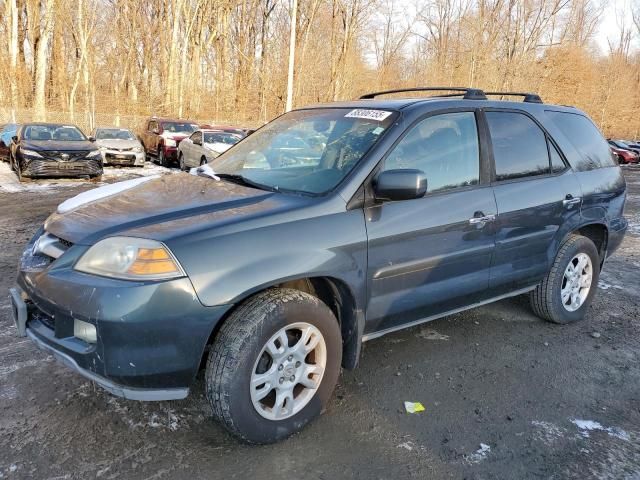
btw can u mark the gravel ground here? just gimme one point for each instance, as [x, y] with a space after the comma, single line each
[506, 394]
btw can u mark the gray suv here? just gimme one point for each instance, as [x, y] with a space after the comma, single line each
[273, 267]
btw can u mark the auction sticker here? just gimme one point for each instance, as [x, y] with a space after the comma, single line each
[378, 115]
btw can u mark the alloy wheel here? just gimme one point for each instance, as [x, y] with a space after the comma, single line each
[288, 371]
[576, 282]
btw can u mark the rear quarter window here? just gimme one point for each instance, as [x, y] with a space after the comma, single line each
[585, 137]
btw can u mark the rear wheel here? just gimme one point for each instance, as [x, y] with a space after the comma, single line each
[568, 289]
[181, 162]
[274, 365]
[203, 160]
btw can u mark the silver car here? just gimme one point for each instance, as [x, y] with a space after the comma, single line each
[204, 145]
[119, 146]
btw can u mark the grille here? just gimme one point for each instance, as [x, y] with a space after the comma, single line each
[111, 158]
[57, 154]
[48, 168]
[122, 149]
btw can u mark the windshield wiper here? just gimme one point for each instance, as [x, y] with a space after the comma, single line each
[241, 180]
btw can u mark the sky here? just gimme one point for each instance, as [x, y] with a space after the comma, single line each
[614, 11]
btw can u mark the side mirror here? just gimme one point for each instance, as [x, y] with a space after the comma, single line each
[92, 139]
[14, 139]
[404, 184]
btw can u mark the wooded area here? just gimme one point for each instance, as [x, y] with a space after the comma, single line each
[227, 59]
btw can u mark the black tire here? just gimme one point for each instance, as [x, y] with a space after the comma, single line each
[546, 301]
[181, 162]
[162, 160]
[236, 350]
[203, 161]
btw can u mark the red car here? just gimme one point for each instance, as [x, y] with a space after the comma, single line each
[625, 156]
[161, 137]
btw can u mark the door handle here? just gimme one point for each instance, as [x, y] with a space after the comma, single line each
[570, 200]
[481, 220]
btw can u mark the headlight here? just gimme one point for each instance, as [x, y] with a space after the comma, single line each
[30, 153]
[93, 153]
[130, 258]
[103, 149]
[169, 142]
[137, 149]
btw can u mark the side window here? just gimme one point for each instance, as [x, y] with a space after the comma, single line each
[153, 125]
[557, 164]
[445, 147]
[197, 137]
[519, 146]
[585, 138]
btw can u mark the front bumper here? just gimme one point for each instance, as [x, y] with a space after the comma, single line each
[170, 153]
[123, 158]
[151, 336]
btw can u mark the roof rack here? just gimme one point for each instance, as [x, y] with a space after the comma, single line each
[528, 97]
[466, 93]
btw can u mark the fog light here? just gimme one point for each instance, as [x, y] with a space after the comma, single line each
[84, 331]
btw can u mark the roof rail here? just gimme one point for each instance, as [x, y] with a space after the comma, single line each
[466, 93]
[528, 97]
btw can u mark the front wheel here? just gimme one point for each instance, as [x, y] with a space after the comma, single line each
[568, 289]
[162, 159]
[274, 365]
[181, 162]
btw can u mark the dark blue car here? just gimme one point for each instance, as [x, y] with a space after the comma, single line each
[272, 270]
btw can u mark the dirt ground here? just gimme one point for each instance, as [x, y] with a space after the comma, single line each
[507, 395]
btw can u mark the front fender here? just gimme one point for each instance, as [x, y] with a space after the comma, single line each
[226, 269]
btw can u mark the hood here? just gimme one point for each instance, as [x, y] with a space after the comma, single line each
[175, 136]
[117, 143]
[67, 146]
[218, 147]
[166, 207]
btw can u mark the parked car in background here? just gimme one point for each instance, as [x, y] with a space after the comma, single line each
[119, 146]
[54, 150]
[204, 145]
[272, 278]
[242, 131]
[7, 131]
[623, 145]
[625, 156]
[161, 137]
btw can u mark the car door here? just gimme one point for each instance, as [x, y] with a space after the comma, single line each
[432, 255]
[185, 149]
[536, 194]
[195, 148]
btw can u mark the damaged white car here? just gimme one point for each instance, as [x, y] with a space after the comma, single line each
[204, 145]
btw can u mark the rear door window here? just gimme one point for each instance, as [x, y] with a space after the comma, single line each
[519, 146]
[585, 138]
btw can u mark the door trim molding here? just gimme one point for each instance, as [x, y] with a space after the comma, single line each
[370, 336]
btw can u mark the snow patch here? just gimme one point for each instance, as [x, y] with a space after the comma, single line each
[101, 193]
[406, 446]
[602, 285]
[587, 426]
[480, 454]
[547, 432]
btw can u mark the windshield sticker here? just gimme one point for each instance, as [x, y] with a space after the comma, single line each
[67, 126]
[378, 131]
[378, 115]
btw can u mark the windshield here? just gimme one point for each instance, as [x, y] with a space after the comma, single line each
[221, 137]
[59, 133]
[179, 127]
[114, 134]
[308, 151]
